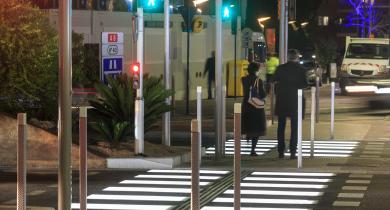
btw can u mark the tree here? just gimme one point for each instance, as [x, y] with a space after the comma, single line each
[366, 17]
[28, 61]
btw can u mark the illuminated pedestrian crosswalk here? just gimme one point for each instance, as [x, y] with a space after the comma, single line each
[276, 190]
[263, 146]
[330, 148]
[155, 189]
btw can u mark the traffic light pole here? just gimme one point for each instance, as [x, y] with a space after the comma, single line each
[139, 102]
[283, 31]
[167, 75]
[64, 106]
[218, 80]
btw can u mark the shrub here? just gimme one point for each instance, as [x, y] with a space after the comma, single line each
[114, 108]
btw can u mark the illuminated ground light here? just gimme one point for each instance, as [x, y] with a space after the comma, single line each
[262, 147]
[329, 148]
[264, 190]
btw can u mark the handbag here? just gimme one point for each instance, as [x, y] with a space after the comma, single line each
[254, 96]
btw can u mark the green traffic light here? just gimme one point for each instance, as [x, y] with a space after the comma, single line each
[151, 3]
[226, 12]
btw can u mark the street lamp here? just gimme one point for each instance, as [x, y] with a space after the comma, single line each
[196, 2]
[261, 20]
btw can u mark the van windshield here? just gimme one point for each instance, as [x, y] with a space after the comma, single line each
[367, 51]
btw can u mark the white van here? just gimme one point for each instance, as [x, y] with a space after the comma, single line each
[365, 66]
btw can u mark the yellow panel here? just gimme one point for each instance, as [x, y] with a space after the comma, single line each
[242, 70]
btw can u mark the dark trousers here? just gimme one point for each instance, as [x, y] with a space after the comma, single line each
[210, 82]
[281, 130]
[268, 82]
[254, 142]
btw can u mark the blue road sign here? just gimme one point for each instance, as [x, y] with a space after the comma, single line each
[112, 64]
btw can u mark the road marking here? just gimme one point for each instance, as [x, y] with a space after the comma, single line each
[372, 152]
[268, 201]
[369, 156]
[36, 192]
[374, 148]
[367, 176]
[358, 181]
[346, 203]
[362, 188]
[350, 195]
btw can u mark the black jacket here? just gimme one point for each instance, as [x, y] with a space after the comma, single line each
[289, 78]
[210, 68]
[253, 120]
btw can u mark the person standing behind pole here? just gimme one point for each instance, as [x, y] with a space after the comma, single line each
[210, 70]
[272, 64]
[289, 78]
[253, 118]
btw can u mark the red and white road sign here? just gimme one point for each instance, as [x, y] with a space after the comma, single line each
[112, 37]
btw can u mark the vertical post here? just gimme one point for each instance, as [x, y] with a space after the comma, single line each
[237, 156]
[83, 157]
[199, 117]
[312, 120]
[186, 2]
[285, 30]
[332, 111]
[167, 74]
[139, 103]
[317, 99]
[272, 99]
[300, 128]
[223, 120]
[218, 79]
[282, 19]
[235, 61]
[64, 106]
[21, 162]
[195, 166]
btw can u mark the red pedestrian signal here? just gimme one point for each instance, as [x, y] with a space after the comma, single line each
[135, 68]
[135, 71]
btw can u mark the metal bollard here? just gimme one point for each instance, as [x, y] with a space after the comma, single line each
[21, 162]
[237, 156]
[332, 111]
[199, 118]
[83, 157]
[195, 166]
[272, 99]
[312, 120]
[317, 99]
[223, 120]
[299, 128]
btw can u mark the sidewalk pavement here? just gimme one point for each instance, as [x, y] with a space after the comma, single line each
[371, 155]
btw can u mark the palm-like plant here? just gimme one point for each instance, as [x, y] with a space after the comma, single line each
[114, 107]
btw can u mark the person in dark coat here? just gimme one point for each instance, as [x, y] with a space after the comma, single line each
[210, 71]
[253, 119]
[289, 78]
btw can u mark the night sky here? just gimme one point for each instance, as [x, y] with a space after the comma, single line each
[260, 8]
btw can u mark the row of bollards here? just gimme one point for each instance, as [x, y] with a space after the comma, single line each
[196, 142]
[22, 160]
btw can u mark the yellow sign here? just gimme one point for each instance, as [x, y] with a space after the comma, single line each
[197, 25]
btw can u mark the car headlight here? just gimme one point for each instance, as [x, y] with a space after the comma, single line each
[344, 67]
[383, 68]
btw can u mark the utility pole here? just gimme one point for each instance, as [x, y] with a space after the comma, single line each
[167, 74]
[139, 103]
[218, 80]
[283, 31]
[64, 106]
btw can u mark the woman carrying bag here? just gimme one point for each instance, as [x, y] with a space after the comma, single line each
[253, 115]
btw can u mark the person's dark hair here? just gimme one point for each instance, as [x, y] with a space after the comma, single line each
[253, 68]
[293, 55]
